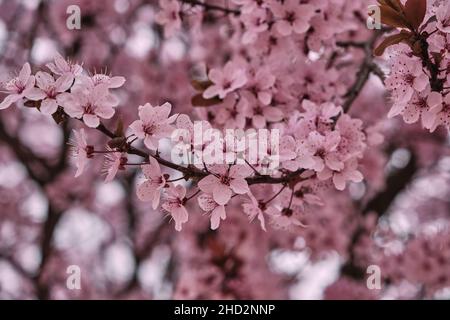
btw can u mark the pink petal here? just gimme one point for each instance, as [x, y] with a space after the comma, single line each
[222, 194]
[208, 183]
[91, 120]
[239, 186]
[48, 106]
[10, 99]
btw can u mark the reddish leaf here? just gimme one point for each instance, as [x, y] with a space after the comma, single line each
[199, 101]
[200, 85]
[394, 4]
[415, 12]
[393, 18]
[391, 40]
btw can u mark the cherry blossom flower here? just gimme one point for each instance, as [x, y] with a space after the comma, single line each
[407, 76]
[60, 66]
[420, 106]
[291, 16]
[18, 87]
[154, 124]
[104, 79]
[232, 77]
[211, 207]
[81, 151]
[174, 204]
[443, 17]
[224, 180]
[255, 22]
[114, 161]
[284, 218]
[262, 114]
[48, 90]
[440, 108]
[321, 116]
[169, 16]
[261, 85]
[89, 104]
[323, 150]
[150, 189]
[253, 210]
[340, 178]
[232, 112]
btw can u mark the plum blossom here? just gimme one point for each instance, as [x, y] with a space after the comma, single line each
[262, 114]
[48, 90]
[114, 161]
[224, 81]
[110, 82]
[154, 124]
[89, 104]
[350, 172]
[150, 189]
[440, 108]
[255, 22]
[407, 76]
[169, 16]
[232, 112]
[443, 17]
[61, 66]
[217, 211]
[174, 204]
[224, 180]
[291, 16]
[323, 150]
[261, 85]
[18, 87]
[81, 151]
[284, 218]
[254, 209]
[321, 116]
[420, 106]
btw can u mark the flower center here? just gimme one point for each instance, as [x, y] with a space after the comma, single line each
[225, 180]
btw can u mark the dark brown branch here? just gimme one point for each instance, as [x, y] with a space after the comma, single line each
[212, 7]
[366, 68]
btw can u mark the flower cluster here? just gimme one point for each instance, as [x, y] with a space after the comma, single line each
[419, 80]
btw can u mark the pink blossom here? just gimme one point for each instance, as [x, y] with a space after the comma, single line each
[217, 211]
[18, 87]
[48, 90]
[440, 108]
[174, 204]
[420, 106]
[253, 210]
[169, 16]
[284, 218]
[262, 114]
[114, 161]
[255, 22]
[407, 76]
[154, 124]
[89, 104]
[110, 82]
[232, 112]
[150, 189]
[60, 67]
[323, 150]
[291, 16]
[261, 85]
[443, 17]
[224, 180]
[340, 178]
[232, 77]
[81, 151]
